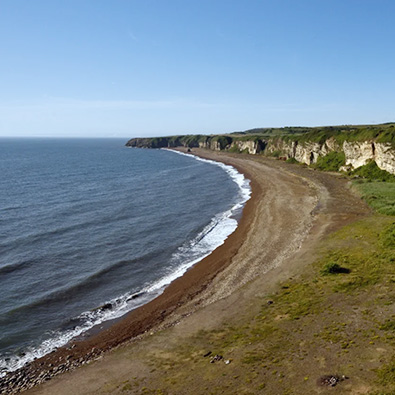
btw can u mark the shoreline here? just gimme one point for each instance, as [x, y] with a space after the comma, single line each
[110, 334]
[290, 210]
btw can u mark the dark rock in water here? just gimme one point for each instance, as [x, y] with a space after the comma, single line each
[107, 306]
[135, 296]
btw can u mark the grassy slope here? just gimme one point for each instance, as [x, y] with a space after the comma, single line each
[379, 195]
[318, 324]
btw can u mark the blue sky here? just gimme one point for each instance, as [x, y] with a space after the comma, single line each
[127, 68]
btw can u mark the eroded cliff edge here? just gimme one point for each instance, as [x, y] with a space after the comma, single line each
[356, 146]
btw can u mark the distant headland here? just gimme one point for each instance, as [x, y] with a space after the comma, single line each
[345, 148]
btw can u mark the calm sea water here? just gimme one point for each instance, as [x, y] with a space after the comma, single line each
[90, 230]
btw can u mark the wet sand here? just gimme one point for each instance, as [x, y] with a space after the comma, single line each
[291, 208]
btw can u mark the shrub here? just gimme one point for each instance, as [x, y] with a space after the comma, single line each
[276, 154]
[331, 162]
[333, 268]
[372, 172]
[234, 149]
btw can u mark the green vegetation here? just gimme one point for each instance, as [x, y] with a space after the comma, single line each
[291, 160]
[333, 268]
[335, 318]
[377, 188]
[386, 374]
[276, 154]
[331, 162]
[235, 149]
[318, 324]
[383, 133]
[379, 195]
[223, 141]
[247, 138]
[372, 172]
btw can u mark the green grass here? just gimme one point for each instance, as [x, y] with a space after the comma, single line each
[372, 172]
[223, 141]
[386, 374]
[235, 149]
[379, 195]
[316, 324]
[333, 268]
[276, 154]
[331, 162]
[383, 133]
[336, 317]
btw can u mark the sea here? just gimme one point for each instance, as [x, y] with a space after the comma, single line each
[91, 229]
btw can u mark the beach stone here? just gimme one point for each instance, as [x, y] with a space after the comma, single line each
[107, 306]
[328, 380]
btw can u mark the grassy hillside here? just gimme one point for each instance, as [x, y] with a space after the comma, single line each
[381, 133]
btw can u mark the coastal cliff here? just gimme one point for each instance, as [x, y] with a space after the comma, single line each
[355, 146]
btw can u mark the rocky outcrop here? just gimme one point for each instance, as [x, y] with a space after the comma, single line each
[305, 152]
[360, 153]
[309, 152]
[253, 147]
[384, 155]
[357, 153]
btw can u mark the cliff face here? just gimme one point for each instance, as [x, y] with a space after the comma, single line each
[213, 145]
[357, 153]
[306, 152]
[385, 157]
[250, 146]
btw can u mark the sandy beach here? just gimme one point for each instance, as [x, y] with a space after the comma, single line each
[291, 209]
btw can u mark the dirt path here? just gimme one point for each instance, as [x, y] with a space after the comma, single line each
[292, 208]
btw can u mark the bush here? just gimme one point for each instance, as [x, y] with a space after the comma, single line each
[372, 172]
[234, 149]
[333, 268]
[387, 236]
[276, 154]
[331, 162]
[223, 141]
[291, 160]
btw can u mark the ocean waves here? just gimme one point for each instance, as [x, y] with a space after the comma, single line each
[127, 282]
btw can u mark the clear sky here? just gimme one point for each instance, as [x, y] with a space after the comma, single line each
[129, 68]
